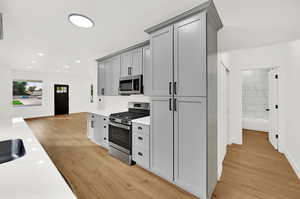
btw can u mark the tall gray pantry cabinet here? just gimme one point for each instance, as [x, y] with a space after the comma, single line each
[182, 83]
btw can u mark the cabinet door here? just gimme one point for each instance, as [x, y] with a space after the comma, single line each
[161, 43]
[126, 62]
[161, 138]
[137, 62]
[190, 57]
[147, 70]
[104, 127]
[112, 76]
[98, 130]
[190, 144]
[100, 79]
[90, 125]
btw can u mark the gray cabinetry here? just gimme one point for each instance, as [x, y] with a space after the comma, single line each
[161, 138]
[161, 43]
[98, 134]
[97, 126]
[147, 70]
[184, 124]
[101, 78]
[190, 144]
[132, 63]
[190, 56]
[108, 76]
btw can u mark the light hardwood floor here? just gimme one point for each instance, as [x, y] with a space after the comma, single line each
[251, 171]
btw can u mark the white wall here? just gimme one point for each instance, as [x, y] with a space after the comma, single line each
[222, 115]
[5, 90]
[286, 56]
[79, 90]
[118, 103]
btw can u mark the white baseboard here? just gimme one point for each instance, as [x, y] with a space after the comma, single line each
[293, 163]
[220, 166]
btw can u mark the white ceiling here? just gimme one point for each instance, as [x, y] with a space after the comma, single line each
[34, 26]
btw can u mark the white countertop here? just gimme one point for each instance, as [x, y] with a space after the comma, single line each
[143, 120]
[33, 176]
[105, 113]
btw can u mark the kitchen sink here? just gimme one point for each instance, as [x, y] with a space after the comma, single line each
[11, 150]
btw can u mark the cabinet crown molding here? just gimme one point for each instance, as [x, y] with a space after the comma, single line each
[208, 6]
[139, 45]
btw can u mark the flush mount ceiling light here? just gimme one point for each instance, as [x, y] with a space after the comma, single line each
[81, 21]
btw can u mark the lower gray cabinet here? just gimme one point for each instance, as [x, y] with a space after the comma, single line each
[98, 129]
[98, 134]
[161, 138]
[190, 144]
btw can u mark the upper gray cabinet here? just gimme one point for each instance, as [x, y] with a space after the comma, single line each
[132, 63]
[147, 70]
[190, 57]
[126, 62]
[108, 76]
[101, 78]
[179, 50]
[161, 44]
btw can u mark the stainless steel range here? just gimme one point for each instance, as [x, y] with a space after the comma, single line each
[120, 130]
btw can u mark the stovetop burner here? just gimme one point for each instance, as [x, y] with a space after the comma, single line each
[136, 110]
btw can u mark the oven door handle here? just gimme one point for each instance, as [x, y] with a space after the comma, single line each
[119, 125]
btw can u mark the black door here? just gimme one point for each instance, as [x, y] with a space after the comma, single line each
[61, 99]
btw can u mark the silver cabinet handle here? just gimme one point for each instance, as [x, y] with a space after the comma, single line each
[140, 128]
[105, 127]
[92, 124]
[170, 104]
[128, 70]
[102, 91]
[170, 88]
[140, 138]
[175, 88]
[175, 104]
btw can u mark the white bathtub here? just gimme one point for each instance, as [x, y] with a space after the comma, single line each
[256, 124]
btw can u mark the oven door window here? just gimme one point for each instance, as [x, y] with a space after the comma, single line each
[120, 137]
[126, 85]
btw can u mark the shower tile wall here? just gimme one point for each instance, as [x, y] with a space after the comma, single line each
[255, 94]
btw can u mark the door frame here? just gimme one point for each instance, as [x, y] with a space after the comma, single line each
[281, 146]
[68, 89]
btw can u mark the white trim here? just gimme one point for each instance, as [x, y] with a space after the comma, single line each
[292, 162]
[220, 167]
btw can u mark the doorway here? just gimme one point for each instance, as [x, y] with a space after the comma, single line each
[260, 102]
[61, 99]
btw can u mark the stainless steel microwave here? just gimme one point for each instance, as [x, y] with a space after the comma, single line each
[131, 85]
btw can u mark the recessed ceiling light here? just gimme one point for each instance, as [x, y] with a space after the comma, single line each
[78, 61]
[67, 66]
[33, 61]
[40, 54]
[81, 21]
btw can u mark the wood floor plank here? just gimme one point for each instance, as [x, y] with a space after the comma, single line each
[253, 170]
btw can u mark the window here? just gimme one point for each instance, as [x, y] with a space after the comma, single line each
[27, 93]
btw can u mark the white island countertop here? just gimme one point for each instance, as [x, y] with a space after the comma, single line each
[33, 176]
